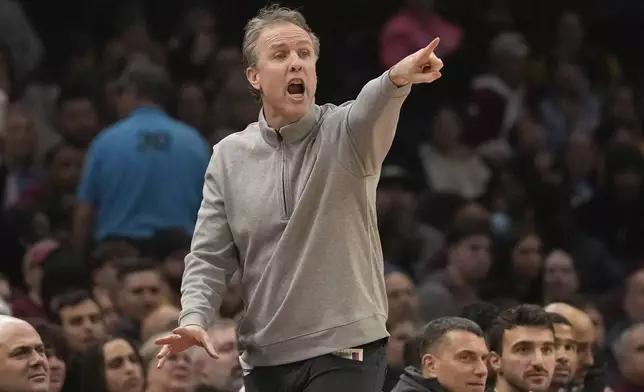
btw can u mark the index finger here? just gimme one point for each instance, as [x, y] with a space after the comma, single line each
[429, 49]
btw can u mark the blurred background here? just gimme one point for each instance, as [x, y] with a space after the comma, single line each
[517, 177]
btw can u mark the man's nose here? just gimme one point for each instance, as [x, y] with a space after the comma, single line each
[481, 369]
[296, 63]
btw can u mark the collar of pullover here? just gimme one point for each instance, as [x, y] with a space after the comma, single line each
[291, 133]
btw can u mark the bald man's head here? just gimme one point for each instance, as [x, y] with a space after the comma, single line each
[584, 333]
[23, 364]
[159, 320]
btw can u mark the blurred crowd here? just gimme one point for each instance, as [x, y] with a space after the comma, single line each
[517, 178]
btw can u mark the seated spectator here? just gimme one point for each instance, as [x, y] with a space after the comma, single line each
[30, 306]
[111, 365]
[178, 374]
[18, 169]
[140, 292]
[468, 261]
[79, 112]
[626, 351]
[223, 374]
[57, 355]
[498, 98]
[448, 165]
[570, 105]
[163, 318]
[80, 320]
[443, 341]
[560, 278]
[401, 327]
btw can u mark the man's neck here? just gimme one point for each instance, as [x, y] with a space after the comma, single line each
[555, 387]
[275, 120]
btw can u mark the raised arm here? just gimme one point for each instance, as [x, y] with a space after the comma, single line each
[373, 116]
[213, 256]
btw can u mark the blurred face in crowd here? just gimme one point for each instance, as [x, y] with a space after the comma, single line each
[531, 137]
[110, 316]
[23, 364]
[284, 73]
[224, 372]
[566, 356]
[634, 298]
[140, 294]
[446, 129]
[527, 359]
[79, 121]
[160, 320]
[560, 279]
[33, 276]
[401, 293]
[5, 80]
[123, 371]
[57, 369]
[627, 184]
[527, 258]
[512, 68]
[177, 375]
[621, 104]
[570, 31]
[630, 360]
[191, 107]
[20, 137]
[598, 323]
[472, 257]
[5, 289]
[82, 324]
[459, 362]
[66, 167]
[399, 334]
[570, 79]
[580, 155]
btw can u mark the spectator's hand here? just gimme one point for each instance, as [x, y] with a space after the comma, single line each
[421, 67]
[183, 338]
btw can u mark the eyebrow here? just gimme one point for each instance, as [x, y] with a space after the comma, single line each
[281, 45]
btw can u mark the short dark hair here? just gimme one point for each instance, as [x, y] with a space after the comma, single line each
[524, 315]
[436, 329]
[53, 339]
[481, 312]
[557, 318]
[467, 227]
[141, 265]
[71, 298]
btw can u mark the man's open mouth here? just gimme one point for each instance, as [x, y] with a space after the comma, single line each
[296, 87]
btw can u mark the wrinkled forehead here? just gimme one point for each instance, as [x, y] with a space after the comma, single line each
[18, 335]
[283, 35]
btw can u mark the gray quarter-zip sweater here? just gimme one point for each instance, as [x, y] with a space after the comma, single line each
[295, 210]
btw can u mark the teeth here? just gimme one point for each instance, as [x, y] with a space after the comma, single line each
[296, 81]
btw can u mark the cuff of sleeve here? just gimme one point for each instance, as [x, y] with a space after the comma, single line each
[193, 318]
[389, 89]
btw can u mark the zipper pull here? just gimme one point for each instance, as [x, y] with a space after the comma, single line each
[279, 136]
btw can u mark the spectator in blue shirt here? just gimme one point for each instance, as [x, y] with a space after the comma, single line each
[145, 173]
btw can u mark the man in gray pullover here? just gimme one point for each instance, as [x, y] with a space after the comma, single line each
[290, 201]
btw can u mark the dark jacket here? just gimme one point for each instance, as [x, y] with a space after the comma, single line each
[412, 381]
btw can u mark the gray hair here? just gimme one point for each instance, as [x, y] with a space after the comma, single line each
[271, 16]
[621, 344]
[436, 330]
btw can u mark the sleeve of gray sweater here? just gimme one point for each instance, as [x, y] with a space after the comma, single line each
[213, 258]
[372, 121]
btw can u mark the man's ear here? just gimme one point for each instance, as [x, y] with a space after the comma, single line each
[430, 366]
[253, 77]
[494, 360]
